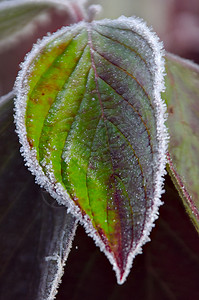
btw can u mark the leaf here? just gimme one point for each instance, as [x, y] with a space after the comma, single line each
[30, 230]
[167, 269]
[182, 97]
[91, 123]
[17, 17]
[56, 251]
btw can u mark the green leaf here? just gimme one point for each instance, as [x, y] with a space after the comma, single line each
[91, 124]
[35, 237]
[182, 97]
[17, 17]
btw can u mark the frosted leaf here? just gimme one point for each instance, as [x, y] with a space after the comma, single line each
[52, 266]
[31, 228]
[91, 123]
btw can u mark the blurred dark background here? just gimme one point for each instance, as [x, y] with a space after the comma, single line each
[175, 21]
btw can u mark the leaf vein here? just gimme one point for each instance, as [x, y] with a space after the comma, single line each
[140, 166]
[48, 113]
[77, 112]
[125, 46]
[100, 100]
[89, 200]
[129, 74]
[133, 107]
[128, 29]
[53, 63]
[134, 152]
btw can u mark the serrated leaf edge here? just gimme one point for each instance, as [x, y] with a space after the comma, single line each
[57, 190]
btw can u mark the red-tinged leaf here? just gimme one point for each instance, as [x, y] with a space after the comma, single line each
[91, 124]
[167, 269]
[182, 97]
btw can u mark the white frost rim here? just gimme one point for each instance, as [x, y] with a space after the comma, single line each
[56, 190]
[59, 256]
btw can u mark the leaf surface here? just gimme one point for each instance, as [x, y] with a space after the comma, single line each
[91, 121]
[182, 97]
[30, 230]
[17, 17]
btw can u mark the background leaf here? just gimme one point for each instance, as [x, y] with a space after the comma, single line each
[91, 123]
[30, 229]
[20, 17]
[11, 55]
[182, 97]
